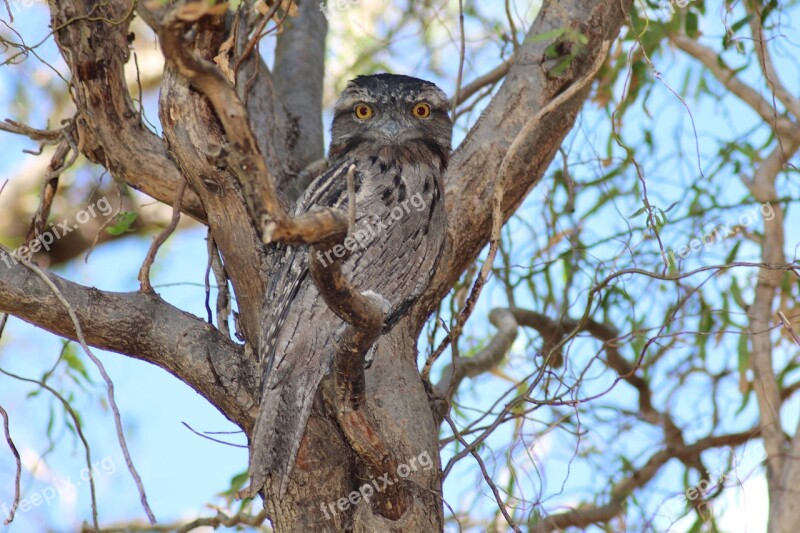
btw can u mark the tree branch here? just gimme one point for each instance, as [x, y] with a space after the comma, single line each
[483, 361]
[15, 453]
[198, 355]
[727, 77]
[268, 117]
[112, 402]
[526, 90]
[161, 238]
[92, 38]
[781, 468]
[249, 166]
[299, 74]
[586, 516]
[256, 180]
[779, 90]
[490, 78]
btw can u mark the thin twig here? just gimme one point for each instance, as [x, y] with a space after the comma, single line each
[144, 272]
[479, 83]
[455, 332]
[462, 55]
[500, 503]
[251, 45]
[50, 187]
[199, 434]
[511, 157]
[207, 280]
[45, 136]
[18, 475]
[213, 522]
[78, 429]
[788, 325]
[511, 26]
[223, 294]
[223, 520]
[107, 222]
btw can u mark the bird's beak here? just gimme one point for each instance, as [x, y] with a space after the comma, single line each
[392, 129]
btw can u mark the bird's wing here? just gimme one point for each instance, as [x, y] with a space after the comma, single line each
[328, 190]
[296, 349]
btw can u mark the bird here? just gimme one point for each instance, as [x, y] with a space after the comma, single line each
[394, 132]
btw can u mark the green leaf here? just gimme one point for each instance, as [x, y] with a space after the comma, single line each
[660, 218]
[745, 401]
[697, 527]
[73, 361]
[740, 23]
[237, 483]
[691, 24]
[546, 36]
[561, 67]
[769, 8]
[786, 283]
[706, 325]
[726, 311]
[791, 367]
[744, 354]
[736, 292]
[732, 255]
[123, 223]
[638, 212]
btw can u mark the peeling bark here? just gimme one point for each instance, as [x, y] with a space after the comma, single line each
[110, 132]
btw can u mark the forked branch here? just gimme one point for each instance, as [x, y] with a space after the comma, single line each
[244, 158]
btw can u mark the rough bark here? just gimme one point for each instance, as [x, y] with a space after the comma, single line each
[299, 75]
[110, 130]
[195, 139]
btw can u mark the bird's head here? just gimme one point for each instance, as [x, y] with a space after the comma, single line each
[390, 109]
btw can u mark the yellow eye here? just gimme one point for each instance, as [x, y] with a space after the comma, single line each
[421, 110]
[363, 111]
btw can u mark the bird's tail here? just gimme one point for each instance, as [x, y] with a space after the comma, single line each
[286, 404]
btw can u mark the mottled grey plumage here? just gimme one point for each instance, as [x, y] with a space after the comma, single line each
[399, 157]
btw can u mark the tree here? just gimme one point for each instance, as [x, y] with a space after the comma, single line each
[234, 156]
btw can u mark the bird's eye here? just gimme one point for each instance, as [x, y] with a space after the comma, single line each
[421, 110]
[363, 111]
